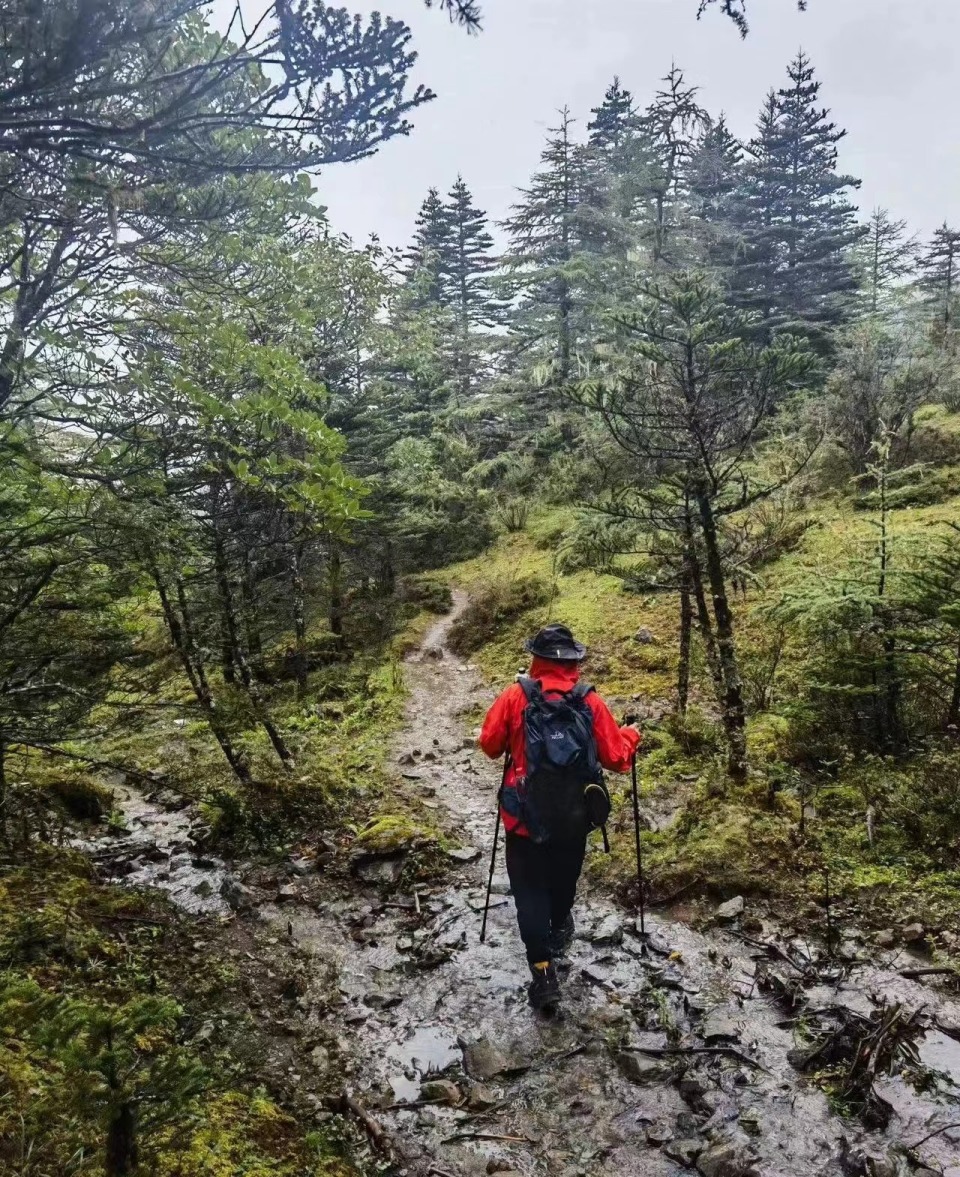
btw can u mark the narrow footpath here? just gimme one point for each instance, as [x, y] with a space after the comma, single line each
[668, 1059]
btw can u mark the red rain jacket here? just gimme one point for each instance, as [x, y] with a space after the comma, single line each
[503, 729]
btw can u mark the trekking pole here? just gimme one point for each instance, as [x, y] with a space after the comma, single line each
[493, 856]
[636, 831]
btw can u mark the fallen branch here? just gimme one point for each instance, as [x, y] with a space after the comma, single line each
[458, 1136]
[666, 1051]
[374, 1129]
[122, 768]
[930, 1136]
[916, 974]
[136, 919]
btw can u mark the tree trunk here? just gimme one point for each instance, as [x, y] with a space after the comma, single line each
[953, 714]
[181, 635]
[3, 789]
[250, 685]
[734, 718]
[704, 623]
[335, 584]
[251, 618]
[686, 629]
[299, 618]
[122, 1150]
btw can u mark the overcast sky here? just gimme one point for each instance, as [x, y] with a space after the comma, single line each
[888, 69]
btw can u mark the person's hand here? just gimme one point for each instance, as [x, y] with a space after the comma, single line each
[633, 727]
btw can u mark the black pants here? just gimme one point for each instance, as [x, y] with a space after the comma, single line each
[544, 884]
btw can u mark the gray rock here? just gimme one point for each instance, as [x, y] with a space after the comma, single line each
[320, 1057]
[236, 895]
[724, 1160]
[480, 1098]
[482, 1060]
[203, 889]
[722, 1025]
[913, 932]
[693, 1089]
[644, 637]
[608, 931]
[732, 909]
[882, 1167]
[287, 892]
[302, 866]
[464, 854]
[684, 1152]
[641, 1068]
[659, 1134]
[440, 1091]
[379, 870]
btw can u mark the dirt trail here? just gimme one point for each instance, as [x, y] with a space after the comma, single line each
[421, 998]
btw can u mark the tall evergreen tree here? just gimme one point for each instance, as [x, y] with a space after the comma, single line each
[798, 223]
[544, 239]
[431, 243]
[613, 120]
[883, 258]
[715, 178]
[940, 266]
[670, 125]
[466, 261]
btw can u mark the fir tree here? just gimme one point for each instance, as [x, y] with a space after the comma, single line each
[715, 179]
[544, 239]
[466, 261]
[669, 126]
[939, 263]
[431, 243]
[613, 120]
[798, 224]
[883, 258]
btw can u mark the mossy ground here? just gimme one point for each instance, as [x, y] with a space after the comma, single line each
[108, 998]
[723, 839]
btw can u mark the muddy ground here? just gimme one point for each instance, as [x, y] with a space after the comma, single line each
[685, 1052]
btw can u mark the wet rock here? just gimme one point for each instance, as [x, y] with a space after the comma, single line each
[440, 1091]
[731, 910]
[379, 870]
[688, 1124]
[464, 854]
[912, 933]
[725, 1160]
[659, 1134]
[722, 1025]
[302, 866]
[480, 1098]
[608, 931]
[482, 1060]
[287, 892]
[684, 1152]
[320, 1057]
[693, 1089]
[641, 1068]
[203, 889]
[237, 896]
[644, 637]
[886, 939]
[406, 758]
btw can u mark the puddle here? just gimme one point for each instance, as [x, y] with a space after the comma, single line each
[429, 1051]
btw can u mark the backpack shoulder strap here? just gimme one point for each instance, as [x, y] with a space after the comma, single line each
[581, 690]
[530, 687]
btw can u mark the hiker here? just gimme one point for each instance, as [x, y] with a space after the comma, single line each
[547, 811]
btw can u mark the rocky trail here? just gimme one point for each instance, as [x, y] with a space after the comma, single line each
[690, 1053]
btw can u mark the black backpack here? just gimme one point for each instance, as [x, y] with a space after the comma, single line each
[563, 795]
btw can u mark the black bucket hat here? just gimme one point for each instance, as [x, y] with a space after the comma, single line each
[557, 643]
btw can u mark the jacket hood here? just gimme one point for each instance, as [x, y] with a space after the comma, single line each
[555, 674]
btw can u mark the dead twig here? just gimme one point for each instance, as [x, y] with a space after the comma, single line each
[666, 1051]
[916, 974]
[375, 1130]
[458, 1136]
[930, 1136]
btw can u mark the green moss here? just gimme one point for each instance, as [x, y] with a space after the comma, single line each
[390, 833]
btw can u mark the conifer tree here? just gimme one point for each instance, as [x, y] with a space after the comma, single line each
[431, 243]
[670, 126]
[613, 120]
[715, 178]
[545, 237]
[940, 266]
[466, 261]
[883, 258]
[798, 224]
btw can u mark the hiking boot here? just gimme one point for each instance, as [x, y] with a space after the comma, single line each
[544, 991]
[561, 938]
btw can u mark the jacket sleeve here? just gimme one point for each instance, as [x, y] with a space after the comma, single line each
[615, 745]
[495, 733]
